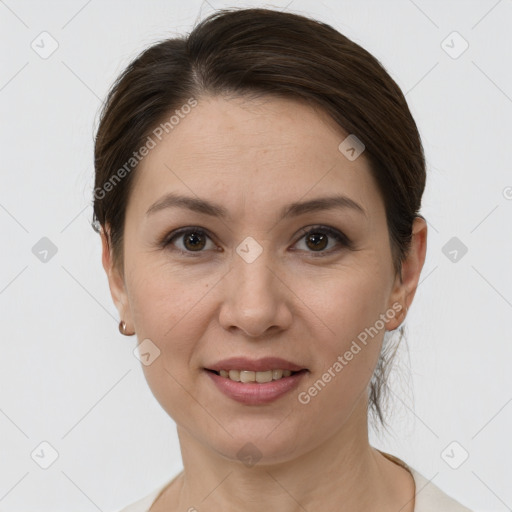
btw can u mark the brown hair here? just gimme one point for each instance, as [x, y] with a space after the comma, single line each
[265, 52]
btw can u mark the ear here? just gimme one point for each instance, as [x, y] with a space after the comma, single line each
[405, 289]
[115, 279]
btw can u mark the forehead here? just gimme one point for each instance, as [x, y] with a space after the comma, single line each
[241, 127]
[269, 150]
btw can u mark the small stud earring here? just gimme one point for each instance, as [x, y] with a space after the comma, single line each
[122, 329]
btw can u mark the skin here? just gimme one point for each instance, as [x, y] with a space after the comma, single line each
[253, 157]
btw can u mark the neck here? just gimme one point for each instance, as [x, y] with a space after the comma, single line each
[342, 473]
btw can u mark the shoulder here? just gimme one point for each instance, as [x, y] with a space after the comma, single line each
[144, 504]
[430, 498]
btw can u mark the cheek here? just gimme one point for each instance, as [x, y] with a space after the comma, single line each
[168, 310]
[171, 306]
[344, 301]
[345, 362]
[345, 306]
[167, 302]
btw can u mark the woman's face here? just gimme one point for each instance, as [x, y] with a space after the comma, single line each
[251, 283]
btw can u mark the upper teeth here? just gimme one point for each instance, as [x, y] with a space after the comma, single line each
[250, 376]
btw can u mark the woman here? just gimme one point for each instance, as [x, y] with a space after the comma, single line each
[258, 187]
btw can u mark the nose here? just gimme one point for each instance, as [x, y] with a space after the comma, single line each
[255, 300]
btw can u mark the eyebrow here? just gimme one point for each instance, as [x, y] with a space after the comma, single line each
[205, 207]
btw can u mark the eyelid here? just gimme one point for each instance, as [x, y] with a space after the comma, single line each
[338, 235]
[168, 238]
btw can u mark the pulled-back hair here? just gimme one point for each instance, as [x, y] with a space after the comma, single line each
[258, 52]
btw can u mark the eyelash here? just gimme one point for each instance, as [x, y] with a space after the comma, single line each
[325, 230]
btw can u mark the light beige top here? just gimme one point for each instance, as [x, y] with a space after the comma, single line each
[429, 498]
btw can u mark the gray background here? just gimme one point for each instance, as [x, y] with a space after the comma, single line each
[68, 378]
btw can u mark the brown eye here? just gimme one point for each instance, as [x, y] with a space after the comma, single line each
[317, 239]
[194, 241]
[188, 240]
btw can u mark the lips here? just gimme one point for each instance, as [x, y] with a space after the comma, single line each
[248, 380]
[254, 365]
[255, 393]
